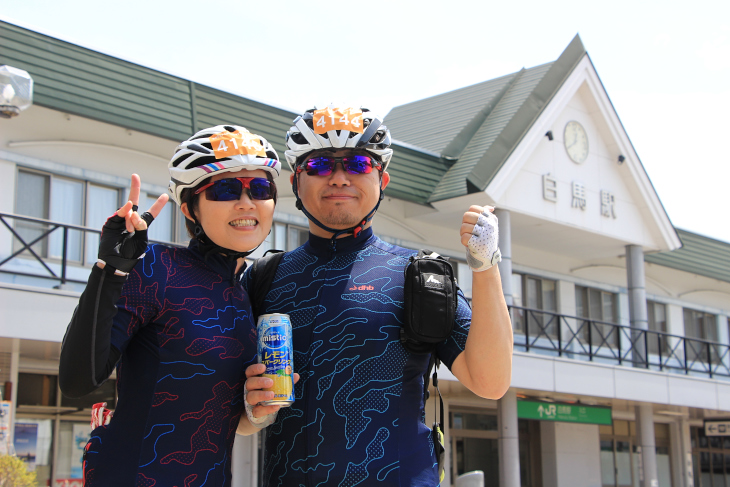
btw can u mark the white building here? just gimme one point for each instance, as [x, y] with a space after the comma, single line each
[622, 343]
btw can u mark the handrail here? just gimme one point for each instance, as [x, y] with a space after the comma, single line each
[535, 329]
[46, 229]
[606, 342]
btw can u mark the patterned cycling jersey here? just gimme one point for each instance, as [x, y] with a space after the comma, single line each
[358, 417]
[186, 335]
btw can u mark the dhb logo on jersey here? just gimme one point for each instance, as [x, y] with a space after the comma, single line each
[362, 288]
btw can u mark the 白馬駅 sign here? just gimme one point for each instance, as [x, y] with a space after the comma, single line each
[569, 413]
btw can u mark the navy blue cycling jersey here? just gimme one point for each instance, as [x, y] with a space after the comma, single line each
[185, 333]
[358, 417]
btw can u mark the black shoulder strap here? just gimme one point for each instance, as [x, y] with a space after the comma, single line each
[262, 275]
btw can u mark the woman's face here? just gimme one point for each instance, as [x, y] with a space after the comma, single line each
[239, 225]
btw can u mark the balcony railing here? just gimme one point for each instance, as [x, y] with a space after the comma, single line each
[599, 341]
[48, 250]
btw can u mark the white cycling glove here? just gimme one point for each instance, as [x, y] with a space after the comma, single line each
[483, 246]
[261, 422]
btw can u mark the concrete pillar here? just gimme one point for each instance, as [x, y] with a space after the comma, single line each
[723, 336]
[647, 442]
[14, 370]
[681, 453]
[687, 467]
[505, 246]
[509, 446]
[637, 299]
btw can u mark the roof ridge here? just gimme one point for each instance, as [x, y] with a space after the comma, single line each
[531, 108]
[457, 145]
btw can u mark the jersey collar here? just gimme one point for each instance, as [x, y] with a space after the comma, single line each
[322, 246]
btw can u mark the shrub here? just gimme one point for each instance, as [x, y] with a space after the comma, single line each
[14, 473]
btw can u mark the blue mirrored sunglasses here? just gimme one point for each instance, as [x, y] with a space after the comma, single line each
[230, 189]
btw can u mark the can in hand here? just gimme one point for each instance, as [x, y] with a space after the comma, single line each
[276, 353]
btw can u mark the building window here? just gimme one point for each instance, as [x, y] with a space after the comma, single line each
[539, 302]
[620, 457]
[711, 459]
[700, 331]
[599, 312]
[296, 236]
[37, 390]
[657, 323]
[77, 202]
[462, 273]
[474, 437]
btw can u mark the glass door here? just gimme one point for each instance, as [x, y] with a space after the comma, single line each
[617, 462]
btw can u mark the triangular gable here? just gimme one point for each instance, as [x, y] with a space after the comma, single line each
[618, 199]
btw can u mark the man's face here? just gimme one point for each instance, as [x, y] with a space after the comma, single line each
[340, 200]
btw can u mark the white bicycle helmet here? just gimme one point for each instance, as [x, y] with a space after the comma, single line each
[370, 135]
[223, 148]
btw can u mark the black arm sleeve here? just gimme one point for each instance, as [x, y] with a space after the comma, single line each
[87, 355]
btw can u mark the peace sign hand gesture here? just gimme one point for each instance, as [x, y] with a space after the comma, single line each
[124, 235]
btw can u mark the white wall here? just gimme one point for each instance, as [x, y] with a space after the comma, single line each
[570, 455]
[537, 372]
[35, 313]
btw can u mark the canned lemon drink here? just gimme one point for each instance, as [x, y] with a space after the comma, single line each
[276, 353]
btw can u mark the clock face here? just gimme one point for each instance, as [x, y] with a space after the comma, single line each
[576, 142]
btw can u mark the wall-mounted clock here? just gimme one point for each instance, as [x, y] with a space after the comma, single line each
[576, 142]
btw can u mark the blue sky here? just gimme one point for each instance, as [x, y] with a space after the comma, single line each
[665, 65]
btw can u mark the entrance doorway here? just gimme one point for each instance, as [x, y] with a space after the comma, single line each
[711, 458]
[475, 446]
[620, 455]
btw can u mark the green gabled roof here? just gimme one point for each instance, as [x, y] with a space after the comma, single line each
[75, 80]
[214, 107]
[84, 82]
[414, 173]
[435, 122]
[478, 150]
[477, 128]
[698, 255]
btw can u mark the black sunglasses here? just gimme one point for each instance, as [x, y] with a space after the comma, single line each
[230, 189]
[323, 165]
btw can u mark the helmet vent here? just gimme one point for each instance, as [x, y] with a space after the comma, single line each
[299, 138]
[198, 148]
[181, 159]
[229, 128]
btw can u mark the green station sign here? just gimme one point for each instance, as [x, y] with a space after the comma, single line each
[569, 413]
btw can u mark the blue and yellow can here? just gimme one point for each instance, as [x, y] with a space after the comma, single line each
[276, 353]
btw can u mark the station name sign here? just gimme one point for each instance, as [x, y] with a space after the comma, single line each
[568, 413]
[717, 427]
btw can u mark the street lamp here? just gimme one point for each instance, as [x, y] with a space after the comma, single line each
[16, 91]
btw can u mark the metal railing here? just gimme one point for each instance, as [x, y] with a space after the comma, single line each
[47, 249]
[600, 341]
[534, 330]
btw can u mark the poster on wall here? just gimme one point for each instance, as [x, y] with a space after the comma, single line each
[26, 443]
[81, 434]
[5, 447]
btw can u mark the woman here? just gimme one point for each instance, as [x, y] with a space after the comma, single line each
[175, 322]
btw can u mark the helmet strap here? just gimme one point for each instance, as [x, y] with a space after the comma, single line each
[354, 231]
[206, 245]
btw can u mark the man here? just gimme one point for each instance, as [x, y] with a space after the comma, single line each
[358, 413]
